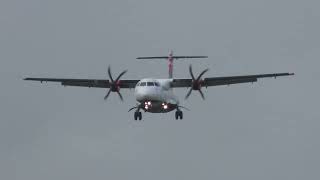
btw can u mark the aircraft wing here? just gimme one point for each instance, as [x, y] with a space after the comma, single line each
[226, 80]
[95, 83]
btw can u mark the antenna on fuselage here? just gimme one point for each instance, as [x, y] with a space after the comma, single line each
[170, 59]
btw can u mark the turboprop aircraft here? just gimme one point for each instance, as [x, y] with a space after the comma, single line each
[155, 95]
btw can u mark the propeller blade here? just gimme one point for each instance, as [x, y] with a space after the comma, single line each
[189, 92]
[201, 94]
[114, 84]
[107, 95]
[109, 73]
[201, 74]
[191, 73]
[196, 83]
[120, 95]
[121, 74]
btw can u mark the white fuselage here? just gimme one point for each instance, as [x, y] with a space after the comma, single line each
[156, 95]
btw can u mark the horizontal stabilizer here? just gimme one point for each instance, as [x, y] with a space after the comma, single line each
[170, 58]
[173, 57]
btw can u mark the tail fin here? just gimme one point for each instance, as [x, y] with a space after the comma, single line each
[170, 59]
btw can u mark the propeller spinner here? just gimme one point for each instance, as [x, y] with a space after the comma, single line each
[114, 84]
[196, 82]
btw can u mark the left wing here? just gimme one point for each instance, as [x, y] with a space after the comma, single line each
[96, 83]
[226, 80]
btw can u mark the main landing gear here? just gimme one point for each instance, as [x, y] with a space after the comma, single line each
[179, 115]
[137, 115]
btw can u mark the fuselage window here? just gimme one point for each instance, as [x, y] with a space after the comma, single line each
[156, 84]
[143, 84]
[150, 84]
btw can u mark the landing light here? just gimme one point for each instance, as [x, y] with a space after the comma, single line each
[165, 106]
[147, 103]
[146, 107]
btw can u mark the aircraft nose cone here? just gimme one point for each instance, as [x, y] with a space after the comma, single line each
[139, 95]
[144, 94]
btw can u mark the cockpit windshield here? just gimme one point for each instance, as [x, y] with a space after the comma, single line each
[148, 84]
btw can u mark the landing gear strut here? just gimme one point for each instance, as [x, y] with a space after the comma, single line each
[137, 115]
[179, 115]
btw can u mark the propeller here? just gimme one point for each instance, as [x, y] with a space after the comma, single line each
[196, 82]
[114, 84]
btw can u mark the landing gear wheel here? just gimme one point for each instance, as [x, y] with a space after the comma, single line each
[179, 115]
[137, 115]
[140, 116]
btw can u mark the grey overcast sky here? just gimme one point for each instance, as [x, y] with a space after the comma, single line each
[266, 130]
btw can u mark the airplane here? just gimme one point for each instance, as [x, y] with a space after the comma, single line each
[155, 95]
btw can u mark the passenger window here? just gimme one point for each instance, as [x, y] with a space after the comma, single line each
[156, 83]
[143, 84]
[150, 84]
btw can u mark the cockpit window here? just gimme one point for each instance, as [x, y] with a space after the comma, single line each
[148, 84]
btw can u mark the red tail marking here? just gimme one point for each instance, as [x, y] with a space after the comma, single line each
[170, 64]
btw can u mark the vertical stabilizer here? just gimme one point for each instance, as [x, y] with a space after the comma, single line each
[170, 64]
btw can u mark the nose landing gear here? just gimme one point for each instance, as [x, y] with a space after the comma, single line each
[179, 114]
